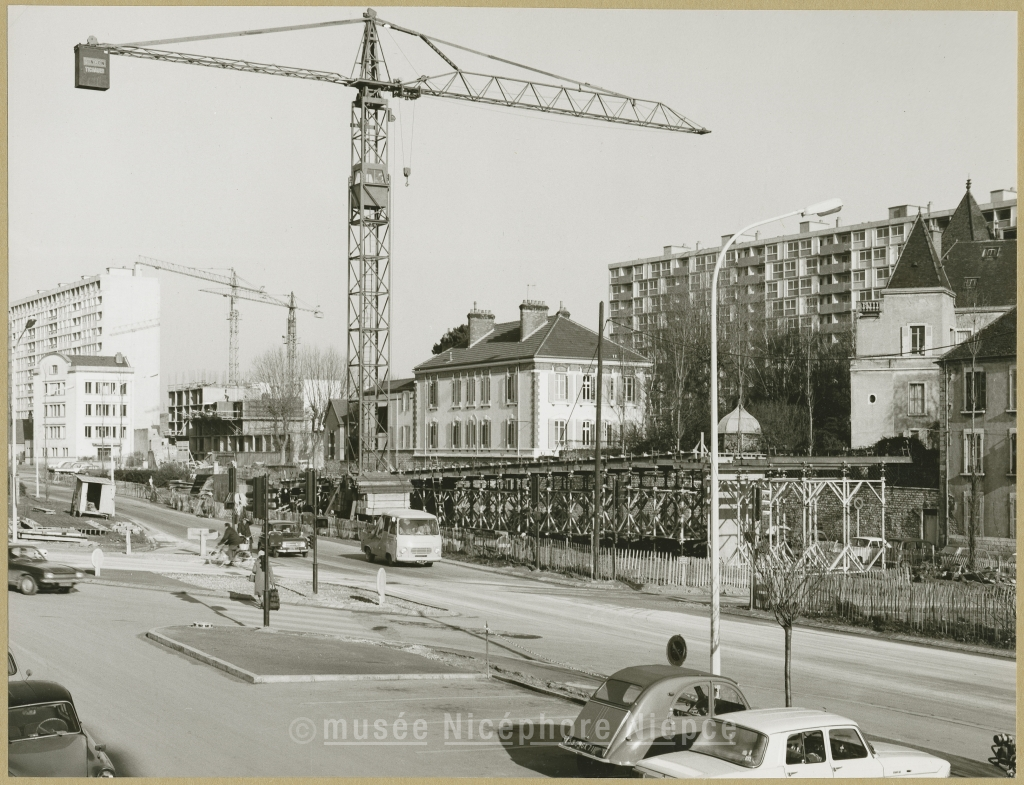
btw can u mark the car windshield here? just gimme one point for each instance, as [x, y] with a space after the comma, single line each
[43, 719]
[733, 743]
[26, 553]
[284, 528]
[422, 527]
[621, 693]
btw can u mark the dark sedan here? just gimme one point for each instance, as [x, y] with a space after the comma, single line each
[44, 736]
[29, 571]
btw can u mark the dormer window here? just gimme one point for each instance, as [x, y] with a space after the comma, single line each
[990, 253]
[970, 283]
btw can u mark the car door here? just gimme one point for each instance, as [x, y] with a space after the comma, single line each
[391, 530]
[377, 538]
[727, 699]
[849, 755]
[684, 719]
[806, 756]
[14, 565]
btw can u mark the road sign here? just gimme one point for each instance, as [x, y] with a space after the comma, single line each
[382, 582]
[97, 561]
[676, 650]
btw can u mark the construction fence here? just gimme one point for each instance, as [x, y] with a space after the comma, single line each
[890, 600]
[631, 566]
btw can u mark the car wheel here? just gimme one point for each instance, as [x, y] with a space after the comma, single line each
[369, 555]
[27, 585]
[388, 560]
[65, 589]
[429, 564]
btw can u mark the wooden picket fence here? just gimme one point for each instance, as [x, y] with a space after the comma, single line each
[634, 566]
[960, 610]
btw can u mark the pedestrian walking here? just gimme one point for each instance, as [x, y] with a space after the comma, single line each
[262, 564]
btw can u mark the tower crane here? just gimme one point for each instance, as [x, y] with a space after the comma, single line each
[369, 214]
[291, 337]
[236, 291]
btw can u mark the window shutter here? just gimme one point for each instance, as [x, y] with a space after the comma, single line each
[927, 339]
[966, 457]
[578, 428]
[551, 434]
[982, 399]
[552, 385]
[904, 340]
[966, 517]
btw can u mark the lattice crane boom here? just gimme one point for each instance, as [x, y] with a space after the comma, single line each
[369, 236]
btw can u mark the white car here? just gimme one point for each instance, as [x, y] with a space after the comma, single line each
[781, 743]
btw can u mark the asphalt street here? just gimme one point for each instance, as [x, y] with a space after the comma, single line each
[938, 699]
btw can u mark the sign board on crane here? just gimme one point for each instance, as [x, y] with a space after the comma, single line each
[92, 68]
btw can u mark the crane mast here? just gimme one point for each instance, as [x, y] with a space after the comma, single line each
[369, 258]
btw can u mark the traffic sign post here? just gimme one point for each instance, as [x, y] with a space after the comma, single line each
[202, 535]
[382, 581]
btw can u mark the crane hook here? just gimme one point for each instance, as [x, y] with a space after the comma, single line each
[407, 171]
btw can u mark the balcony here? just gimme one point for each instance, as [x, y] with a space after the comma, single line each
[834, 248]
[825, 308]
[830, 269]
[870, 308]
[834, 288]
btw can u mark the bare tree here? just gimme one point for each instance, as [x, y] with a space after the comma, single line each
[272, 390]
[323, 377]
[787, 585]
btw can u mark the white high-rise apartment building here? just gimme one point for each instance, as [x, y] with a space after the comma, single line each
[117, 311]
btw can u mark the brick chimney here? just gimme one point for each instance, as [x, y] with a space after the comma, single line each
[533, 314]
[481, 324]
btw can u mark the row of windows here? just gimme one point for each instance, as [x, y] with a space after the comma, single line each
[104, 431]
[106, 388]
[588, 388]
[475, 434]
[471, 385]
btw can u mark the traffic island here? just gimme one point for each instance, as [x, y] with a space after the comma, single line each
[264, 656]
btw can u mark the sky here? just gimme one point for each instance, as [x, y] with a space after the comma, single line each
[215, 169]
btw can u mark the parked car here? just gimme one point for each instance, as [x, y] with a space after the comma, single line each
[29, 570]
[73, 467]
[284, 538]
[647, 710]
[45, 737]
[403, 535]
[790, 742]
[12, 668]
[867, 549]
[914, 552]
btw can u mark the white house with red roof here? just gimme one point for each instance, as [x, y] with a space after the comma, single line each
[524, 389]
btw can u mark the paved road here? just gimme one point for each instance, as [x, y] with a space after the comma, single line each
[163, 714]
[938, 699]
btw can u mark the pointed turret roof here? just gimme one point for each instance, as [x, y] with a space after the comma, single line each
[918, 266]
[967, 223]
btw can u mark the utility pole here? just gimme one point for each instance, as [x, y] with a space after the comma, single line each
[597, 443]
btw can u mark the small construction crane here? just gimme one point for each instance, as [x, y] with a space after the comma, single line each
[236, 291]
[369, 214]
[291, 337]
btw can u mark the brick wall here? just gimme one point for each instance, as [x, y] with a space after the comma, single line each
[903, 510]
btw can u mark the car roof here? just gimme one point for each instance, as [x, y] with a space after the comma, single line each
[784, 720]
[26, 693]
[407, 512]
[645, 675]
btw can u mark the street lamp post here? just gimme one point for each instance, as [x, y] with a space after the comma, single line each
[13, 490]
[822, 208]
